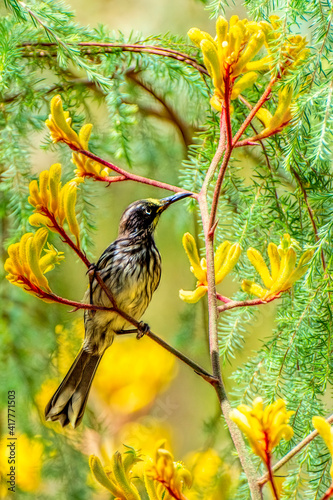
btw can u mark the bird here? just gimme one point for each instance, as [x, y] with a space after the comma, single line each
[131, 269]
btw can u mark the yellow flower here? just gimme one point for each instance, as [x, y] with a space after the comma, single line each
[264, 427]
[53, 203]
[232, 51]
[29, 460]
[163, 478]
[59, 124]
[228, 55]
[118, 476]
[164, 475]
[226, 257]
[326, 432]
[281, 116]
[25, 265]
[283, 272]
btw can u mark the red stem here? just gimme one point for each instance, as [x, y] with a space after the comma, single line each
[328, 493]
[65, 236]
[228, 88]
[269, 469]
[42, 294]
[254, 110]
[227, 154]
[243, 303]
[222, 298]
[127, 175]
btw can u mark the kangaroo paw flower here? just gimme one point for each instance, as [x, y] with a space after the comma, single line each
[26, 266]
[164, 475]
[284, 272]
[263, 427]
[225, 259]
[59, 124]
[54, 204]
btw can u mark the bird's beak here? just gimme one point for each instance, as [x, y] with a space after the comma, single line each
[166, 202]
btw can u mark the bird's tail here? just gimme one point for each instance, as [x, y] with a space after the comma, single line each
[69, 401]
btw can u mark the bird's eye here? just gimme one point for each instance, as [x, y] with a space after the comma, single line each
[148, 211]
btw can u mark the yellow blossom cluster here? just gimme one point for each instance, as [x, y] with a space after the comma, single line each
[230, 54]
[26, 266]
[283, 272]
[281, 116]
[163, 478]
[59, 124]
[54, 204]
[226, 257]
[264, 427]
[229, 60]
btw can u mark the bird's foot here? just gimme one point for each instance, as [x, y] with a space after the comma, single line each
[143, 329]
[125, 332]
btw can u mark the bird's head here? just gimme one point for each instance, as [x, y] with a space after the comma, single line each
[142, 216]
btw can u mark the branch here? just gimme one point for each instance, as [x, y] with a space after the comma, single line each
[292, 453]
[143, 329]
[60, 230]
[232, 304]
[227, 154]
[213, 321]
[217, 158]
[126, 175]
[171, 114]
[254, 110]
[113, 47]
[49, 296]
[310, 212]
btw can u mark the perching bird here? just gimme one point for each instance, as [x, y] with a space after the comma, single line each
[131, 269]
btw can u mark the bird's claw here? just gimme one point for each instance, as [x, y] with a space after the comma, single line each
[143, 329]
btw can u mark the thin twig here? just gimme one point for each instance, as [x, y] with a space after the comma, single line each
[142, 328]
[310, 212]
[254, 110]
[111, 47]
[232, 304]
[60, 230]
[171, 114]
[217, 157]
[270, 474]
[128, 175]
